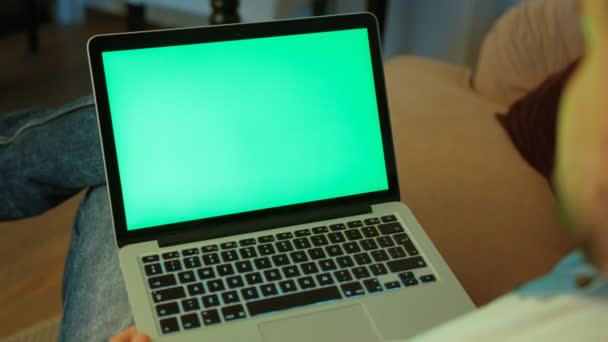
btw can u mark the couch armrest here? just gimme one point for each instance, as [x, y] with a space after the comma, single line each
[490, 215]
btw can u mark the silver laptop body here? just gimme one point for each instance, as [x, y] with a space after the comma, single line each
[254, 189]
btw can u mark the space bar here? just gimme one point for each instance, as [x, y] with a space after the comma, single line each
[293, 300]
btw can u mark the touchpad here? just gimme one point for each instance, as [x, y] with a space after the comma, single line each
[350, 323]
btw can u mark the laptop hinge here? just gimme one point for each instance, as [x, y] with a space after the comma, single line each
[276, 221]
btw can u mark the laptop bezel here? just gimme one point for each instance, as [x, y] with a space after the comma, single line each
[158, 38]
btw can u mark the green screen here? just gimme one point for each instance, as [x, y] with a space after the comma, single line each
[204, 130]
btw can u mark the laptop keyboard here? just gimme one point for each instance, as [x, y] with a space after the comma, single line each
[249, 277]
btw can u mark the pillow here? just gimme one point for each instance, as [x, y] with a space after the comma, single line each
[531, 122]
[531, 41]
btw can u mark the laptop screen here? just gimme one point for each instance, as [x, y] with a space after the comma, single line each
[212, 129]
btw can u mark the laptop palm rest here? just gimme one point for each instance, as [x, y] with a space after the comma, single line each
[351, 323]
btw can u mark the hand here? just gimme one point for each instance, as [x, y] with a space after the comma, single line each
[130, 335]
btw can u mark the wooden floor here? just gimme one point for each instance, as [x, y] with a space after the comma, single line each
[32, 251]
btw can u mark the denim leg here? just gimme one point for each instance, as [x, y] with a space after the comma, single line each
[46, 156]
[95, 303]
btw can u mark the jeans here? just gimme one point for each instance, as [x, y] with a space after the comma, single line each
[47, 156]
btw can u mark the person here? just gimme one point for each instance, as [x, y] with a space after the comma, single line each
[49, 155]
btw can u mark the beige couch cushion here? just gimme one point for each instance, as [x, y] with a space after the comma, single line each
[489, 214]
[531, 41]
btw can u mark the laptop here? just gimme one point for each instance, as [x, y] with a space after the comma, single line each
[254, 189]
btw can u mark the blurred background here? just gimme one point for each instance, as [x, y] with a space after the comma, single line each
[43, 60]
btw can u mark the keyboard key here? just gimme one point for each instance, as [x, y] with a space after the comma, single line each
[284, 236]
[320, 230]
[298, 256]
[391, 285]
[361, 272]
[250, 293]
[215, 285]
[345, 261]
[397, 252]
[378, 269]
[288, 286]
[385, 241]
[190, 321]
[248, 252]
[169, 325]
[316, 253]
[192, 261]
[291, 271]
[379, 255]
[319, 240]
[150, 258]
[337, 226]
[351, 247]
[353, 234]
[400, 265]
[324, 279]
[186, 277]
[269, 289]
[389, 218]
[262, 263]
[309, 268]
[152, 269]
[253, 278]
[334, 250]
[372, 285]
[362, 259]
[401, 238]
[162, 281]
[209, 249]
[196, 289]
[284, 246]
[190, 304]
[170, 255]
[405, 275]
[210, 317]
[390, 228]
[302, 232]
[370, 231]
[306, 282]
[272, 275]
[371, 221]
[428, 278]
[293, 300]
[211, 259]
[173, 265]
[355, 224]
[247, 242]
[205, 273]
[266, 239]
[266, 249]
[368, 244]
[172, 293]
[409, 281]
[327, 265]
[225, 270]
[280, 260]
[233, 312]
[343, 276]
[244, 266]
[228, 245]
[210, 301]
[167, 309]
[336, 237]
[230, 297]
[404, 240]
[301, 243]
[230, 255]
[190, 251]
[352, 289]
[235, 281]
